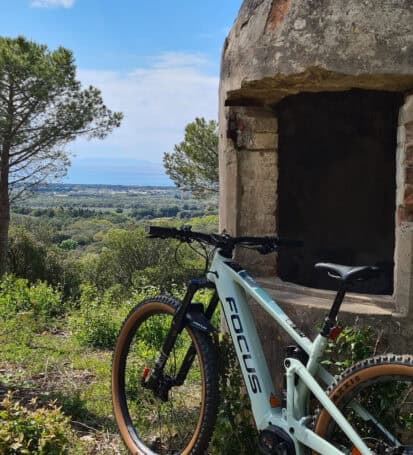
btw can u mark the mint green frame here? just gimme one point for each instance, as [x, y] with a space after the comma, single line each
[234, 286]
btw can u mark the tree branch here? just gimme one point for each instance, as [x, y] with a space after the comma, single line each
[14, 197]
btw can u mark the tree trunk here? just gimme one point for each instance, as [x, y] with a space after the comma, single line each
[4, 213]
[4, 182]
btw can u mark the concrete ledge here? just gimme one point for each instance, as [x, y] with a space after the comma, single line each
[309, 298]
[307, 307]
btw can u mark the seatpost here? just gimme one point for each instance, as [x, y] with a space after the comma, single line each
[331, 320]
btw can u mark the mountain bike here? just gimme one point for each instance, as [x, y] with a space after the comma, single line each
[165, 374]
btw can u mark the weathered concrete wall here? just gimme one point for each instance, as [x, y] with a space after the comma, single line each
[403, 256]
[279, 47]
[249, 168]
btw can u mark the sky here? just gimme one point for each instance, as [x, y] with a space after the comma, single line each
[156, 61]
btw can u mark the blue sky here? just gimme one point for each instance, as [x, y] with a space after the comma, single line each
[156, 61]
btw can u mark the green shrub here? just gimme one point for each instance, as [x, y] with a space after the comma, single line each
[132, 260]
[70, 280]
[94, 323]
[32, 259]
[68, 244]
[89, 268]
[43, 431]
[41, 302]
[235, 432]
[19, 330]
[352, 345]
[96, 320]
[35, 260]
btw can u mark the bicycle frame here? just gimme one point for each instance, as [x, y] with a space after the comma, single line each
[234, 285]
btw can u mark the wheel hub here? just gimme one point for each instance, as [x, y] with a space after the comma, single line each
[160, 384]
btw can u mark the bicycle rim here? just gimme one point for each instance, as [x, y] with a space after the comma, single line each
[147, 424]
[385, 391]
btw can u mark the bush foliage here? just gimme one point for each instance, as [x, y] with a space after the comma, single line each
[235, 432]
[35, 260]
[96, 321]
[43, 431]
[353, 344]
[130, 259]
[38, 302]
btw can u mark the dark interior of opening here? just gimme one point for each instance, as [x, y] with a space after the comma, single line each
[336, 186]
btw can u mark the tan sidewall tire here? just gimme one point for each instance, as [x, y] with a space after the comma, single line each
[148, 307]
[354, 380]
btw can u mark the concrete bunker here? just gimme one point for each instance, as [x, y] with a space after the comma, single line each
[316, 111]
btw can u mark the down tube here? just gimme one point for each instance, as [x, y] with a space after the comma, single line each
[249, 351]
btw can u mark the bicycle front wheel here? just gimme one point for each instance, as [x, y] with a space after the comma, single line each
[183, 422]
[376, 397]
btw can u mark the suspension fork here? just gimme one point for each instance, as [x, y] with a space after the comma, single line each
[179, 321]
[190, 355]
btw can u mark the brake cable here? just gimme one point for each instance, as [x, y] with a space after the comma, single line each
[205, 255]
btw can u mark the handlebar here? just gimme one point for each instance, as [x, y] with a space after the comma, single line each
[264, 245]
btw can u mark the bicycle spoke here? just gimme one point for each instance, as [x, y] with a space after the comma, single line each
[176, 419]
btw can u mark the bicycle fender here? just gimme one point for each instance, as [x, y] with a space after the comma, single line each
[196, 319]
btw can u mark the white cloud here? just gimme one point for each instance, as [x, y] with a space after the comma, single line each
[52, 3]
[157, 100]
[178, 59]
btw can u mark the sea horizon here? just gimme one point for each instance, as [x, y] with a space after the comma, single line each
[124, 185]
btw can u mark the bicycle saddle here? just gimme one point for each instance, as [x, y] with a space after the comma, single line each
[347, 273]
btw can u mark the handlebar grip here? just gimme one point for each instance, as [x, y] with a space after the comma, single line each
[160, 231]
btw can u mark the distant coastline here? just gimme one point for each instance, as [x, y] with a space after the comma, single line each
[72, 186]
[114, 203]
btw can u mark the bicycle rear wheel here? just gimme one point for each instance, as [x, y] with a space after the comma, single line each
[184, 423]
[383, 386]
